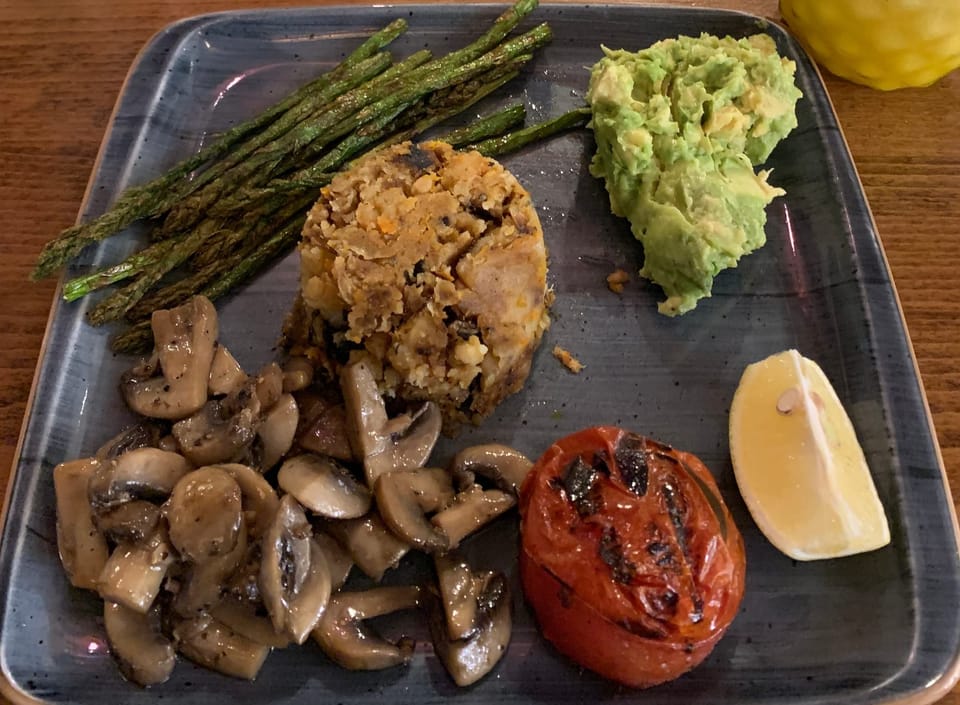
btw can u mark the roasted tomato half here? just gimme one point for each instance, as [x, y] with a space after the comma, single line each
[629, 558]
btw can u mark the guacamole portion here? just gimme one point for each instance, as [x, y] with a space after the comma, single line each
[679, 128]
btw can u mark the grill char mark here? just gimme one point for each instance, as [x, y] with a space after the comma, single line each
[580, 484]
[631, 459]
[611, 552]
[677, 519]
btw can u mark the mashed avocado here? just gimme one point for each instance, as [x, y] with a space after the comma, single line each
[679, 127]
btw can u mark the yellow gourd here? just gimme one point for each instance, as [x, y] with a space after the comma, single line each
[884, 44]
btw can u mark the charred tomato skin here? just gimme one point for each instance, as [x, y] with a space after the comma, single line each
[629, 557]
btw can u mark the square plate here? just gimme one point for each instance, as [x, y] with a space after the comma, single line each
[879, 627]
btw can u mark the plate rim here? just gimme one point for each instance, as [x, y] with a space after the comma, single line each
[181, 29]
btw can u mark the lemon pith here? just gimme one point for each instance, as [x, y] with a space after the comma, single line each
[798, 463]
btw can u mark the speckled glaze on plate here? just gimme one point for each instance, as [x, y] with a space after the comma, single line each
[880, 627]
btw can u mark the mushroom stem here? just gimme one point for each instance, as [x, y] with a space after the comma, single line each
[460, 590]
[373, 547]
[142, 653]
[226, 375]
[297, 374]
[214, 645]
[345, 638]
[471, 510]
[242, 618]
[469, 660]
[268, 385]
[134, 572]
[205, 580]
[83, 550]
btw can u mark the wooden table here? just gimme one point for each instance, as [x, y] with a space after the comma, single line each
[62, 63]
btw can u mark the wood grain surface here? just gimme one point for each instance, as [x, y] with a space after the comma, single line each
[62, 63]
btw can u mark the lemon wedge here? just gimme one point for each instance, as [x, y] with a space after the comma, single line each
[799, 466]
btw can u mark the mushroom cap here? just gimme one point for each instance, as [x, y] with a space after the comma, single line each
[285, 559]
[217, 433]
[224, 430]
[349, 642]
[184, 338]
[306, 608]
[412, 437]
[143, 473]
[294, 577]
[338, 559]
[205, 514]
[404, 497]
[130, 522]
[505, 466]
[385, 444]
[257, 496]
[366, 412]
[277, 430]
[324, 486]
[323, 425]
[145, 434]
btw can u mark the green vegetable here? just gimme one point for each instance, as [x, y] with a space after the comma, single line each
[458, 99]
[259, 164]
[220, 257]
[130, 267]
[239, 203]
[492, 125]
[521, 138]
[142, 201]
[679, 127]
[237, 269]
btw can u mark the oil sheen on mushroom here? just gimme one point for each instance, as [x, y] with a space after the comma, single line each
[173, 384]
[205, 514]
[383, 443]
[294, 577]
[345, 637]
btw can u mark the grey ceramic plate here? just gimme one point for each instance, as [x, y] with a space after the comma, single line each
[879, 627]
